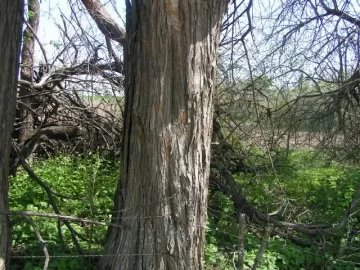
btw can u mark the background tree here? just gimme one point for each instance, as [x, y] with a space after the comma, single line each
[11, 13]
[27, 103]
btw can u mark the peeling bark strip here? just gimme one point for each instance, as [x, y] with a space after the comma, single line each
[170, 80]
[11, 12]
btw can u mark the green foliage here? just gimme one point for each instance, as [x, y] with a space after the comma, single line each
[31, 14]
[315, 190]
[56, 44]
[92, 180]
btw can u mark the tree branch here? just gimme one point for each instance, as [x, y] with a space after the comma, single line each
[104, 21]
[335, 11]
[232, 189]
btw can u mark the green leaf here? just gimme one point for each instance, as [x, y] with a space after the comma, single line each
[31, 14]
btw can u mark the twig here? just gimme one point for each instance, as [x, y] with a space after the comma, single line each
[39, 42]
[41, 240]
[241, 251]
[263, 246]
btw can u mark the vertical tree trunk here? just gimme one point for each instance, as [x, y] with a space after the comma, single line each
[27, 71]
[170, 78]
[11, 12]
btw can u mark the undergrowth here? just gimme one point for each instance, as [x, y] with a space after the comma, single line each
[312, 189]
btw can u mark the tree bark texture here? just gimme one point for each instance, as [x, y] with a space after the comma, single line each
[27, 71]
[161, 200]
[11, 12]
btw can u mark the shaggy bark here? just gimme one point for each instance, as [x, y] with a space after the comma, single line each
[11, 13]
[170, 79]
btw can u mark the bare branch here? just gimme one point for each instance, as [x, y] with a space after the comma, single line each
[104, 21]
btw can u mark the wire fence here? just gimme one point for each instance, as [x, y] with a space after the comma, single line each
[43, 244]
[236, 250]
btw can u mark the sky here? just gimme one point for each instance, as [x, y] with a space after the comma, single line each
[50, 11]
[50, 16]
[51, 39]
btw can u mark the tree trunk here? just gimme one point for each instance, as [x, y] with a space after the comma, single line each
[27, 72]
[11, 13]
[161, 199]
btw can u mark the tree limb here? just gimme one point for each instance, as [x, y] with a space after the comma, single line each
[107, 25]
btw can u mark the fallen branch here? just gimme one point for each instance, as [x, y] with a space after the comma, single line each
[232, 189]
